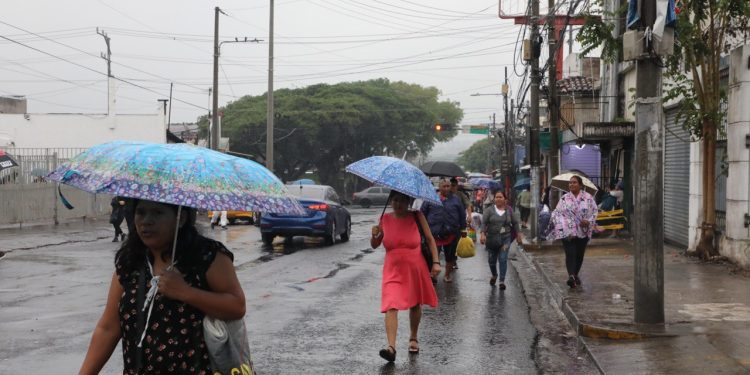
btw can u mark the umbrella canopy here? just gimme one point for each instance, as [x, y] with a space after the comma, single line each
[561, 182]
[442, 169]
[6, 161]
[304, 181]
[522, 183]
[396, 174]
[179, 174]
[486, 183]
[478, 175]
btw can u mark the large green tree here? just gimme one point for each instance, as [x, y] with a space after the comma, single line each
[325, 127]
[475, 157]
[705, 31]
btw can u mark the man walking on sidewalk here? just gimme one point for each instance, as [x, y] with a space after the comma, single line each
[446, 222]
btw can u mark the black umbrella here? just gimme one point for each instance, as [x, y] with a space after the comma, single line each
[6, 161]
[442, 168]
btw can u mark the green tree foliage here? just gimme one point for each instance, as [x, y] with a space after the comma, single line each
[705, 31]
[475, 157]
[325, 127]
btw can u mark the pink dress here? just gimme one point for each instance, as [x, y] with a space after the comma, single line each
[406, 281]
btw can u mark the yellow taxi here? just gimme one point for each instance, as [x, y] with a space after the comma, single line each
[233, 216]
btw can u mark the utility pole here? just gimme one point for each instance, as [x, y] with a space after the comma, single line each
[214, 139]
[553, 102]
[269, 105]
[534, 120]
[507, 142]
[110, 81]
[648, 217]
[490, 145]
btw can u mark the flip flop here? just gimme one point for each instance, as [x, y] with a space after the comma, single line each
[413, 350]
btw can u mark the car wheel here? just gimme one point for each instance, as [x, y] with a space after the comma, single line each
[330, 238]
[232, 221]
[365, 203]
[267, 238]
[348, 231]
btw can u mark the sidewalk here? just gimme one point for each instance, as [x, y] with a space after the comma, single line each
[707, 309]
[32, 237]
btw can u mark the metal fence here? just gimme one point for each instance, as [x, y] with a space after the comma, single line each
[26, 196]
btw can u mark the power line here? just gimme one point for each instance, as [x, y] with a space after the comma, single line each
[93, 70]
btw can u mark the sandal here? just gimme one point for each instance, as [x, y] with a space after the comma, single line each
[389, 354]
[413, 349]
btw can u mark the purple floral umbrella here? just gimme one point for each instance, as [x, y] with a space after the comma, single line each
[179, 174]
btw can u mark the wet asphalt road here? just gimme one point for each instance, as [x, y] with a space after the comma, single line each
[311, 309]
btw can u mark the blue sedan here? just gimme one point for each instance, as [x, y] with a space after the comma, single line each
[325, 216]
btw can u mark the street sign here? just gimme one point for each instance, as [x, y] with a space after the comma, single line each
[479, 129]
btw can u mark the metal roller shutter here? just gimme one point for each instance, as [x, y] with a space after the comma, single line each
[676, 181]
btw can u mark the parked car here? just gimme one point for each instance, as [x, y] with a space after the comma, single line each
[373, 195]
[325, 216]
[233, 216]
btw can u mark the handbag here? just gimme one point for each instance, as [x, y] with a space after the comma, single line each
[424, 247]
[227, 345]
[465, 248]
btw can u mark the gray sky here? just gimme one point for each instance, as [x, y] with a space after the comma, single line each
[460, 47]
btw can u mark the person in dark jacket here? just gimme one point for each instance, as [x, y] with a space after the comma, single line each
[117, 216]
[446, 223]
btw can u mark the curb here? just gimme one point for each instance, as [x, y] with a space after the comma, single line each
[585, 330]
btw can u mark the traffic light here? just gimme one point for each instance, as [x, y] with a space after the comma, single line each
[438, 127]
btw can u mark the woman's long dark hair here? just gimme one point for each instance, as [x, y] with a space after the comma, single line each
[133, 253]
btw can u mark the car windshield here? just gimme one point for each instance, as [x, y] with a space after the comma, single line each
[309, 193]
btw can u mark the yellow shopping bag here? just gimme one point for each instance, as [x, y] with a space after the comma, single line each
[465, 248]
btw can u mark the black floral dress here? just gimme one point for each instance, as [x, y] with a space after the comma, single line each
[174, 338]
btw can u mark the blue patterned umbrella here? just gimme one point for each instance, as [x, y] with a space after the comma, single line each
[179, 174]
[396, 174]
[486, 183]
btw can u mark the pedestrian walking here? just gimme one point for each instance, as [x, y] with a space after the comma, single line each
[200, 281]
[446, 221]
[406, 282]
[524, 205]
[215, 219]
[117, 216]
[463, 197]
[499, 229]
[573, 221]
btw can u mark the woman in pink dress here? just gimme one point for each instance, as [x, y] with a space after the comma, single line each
[406, 280]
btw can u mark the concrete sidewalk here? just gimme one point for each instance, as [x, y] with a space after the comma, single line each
[36, 236]
[707, 308]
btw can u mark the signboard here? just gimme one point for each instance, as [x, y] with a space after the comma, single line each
[479, 129]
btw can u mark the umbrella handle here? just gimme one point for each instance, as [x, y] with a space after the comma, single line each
[174, 241]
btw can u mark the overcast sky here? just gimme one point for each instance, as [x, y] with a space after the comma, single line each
[460, 47]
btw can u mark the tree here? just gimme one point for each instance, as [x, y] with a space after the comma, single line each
[325, 127]
[705, 31]
[475, 157]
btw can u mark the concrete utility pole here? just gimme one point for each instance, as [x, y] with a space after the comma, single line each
[507, 140]
[214, 144]
[269, 105]
[648, 217]
[110, 81]
[490, 145]
[534, 120]
[553, 102]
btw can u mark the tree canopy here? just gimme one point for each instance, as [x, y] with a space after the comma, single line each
[475, 157]
[325, 127]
